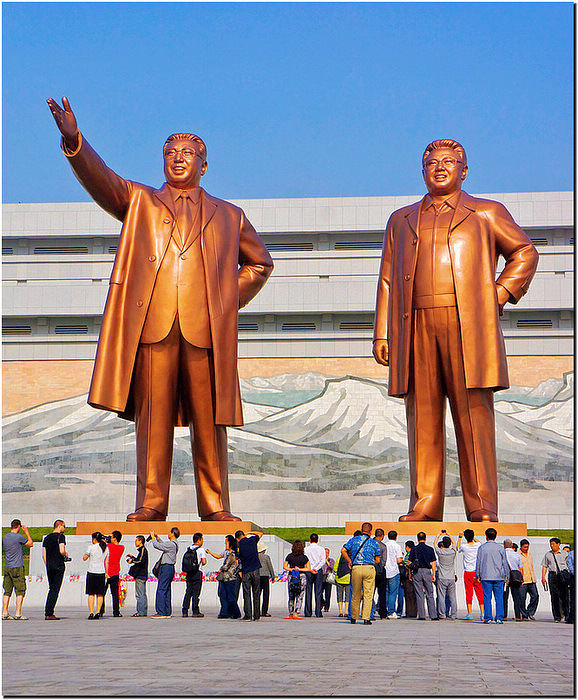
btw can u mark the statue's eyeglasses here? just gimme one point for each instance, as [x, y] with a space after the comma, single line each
[187, 153]
[446, 162]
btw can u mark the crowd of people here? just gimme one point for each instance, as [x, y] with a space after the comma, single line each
[373, 577]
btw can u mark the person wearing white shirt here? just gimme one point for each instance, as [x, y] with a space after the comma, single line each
[514, 562]
[316, 555]
[394, 559]
[195, 579]
[469, 550]
[97, 557]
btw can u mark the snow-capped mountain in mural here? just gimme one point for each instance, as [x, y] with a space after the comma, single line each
[348, 433]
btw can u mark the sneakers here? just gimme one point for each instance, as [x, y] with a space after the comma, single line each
[393, 616]
[117, 615]
[185, 613]
[469, 616]
[487, 622]
[499, 622]
[197, 614]
[367, 622]
[160, 617]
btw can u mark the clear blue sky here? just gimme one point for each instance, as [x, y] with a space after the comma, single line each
[292, 99]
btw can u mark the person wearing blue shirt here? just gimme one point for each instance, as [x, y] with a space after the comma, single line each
[493, 571]
[362, 554]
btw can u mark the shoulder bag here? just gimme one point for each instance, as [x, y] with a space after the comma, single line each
[516, 577]
[564, 576]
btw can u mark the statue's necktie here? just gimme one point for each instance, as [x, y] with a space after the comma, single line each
[184, 216]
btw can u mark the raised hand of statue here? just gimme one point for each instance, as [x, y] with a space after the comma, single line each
[381, 352]
[65, 121]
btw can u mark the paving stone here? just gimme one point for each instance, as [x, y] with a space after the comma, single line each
[276, 656]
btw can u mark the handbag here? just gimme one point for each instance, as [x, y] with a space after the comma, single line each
[563, 575]
[516, 578]
[157, 568]
[134, 569]
[331, 578]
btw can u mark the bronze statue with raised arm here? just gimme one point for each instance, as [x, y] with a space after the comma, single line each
[167, 352]
[437, 327]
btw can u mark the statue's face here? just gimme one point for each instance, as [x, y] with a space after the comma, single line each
[184, 164]
[443, 173]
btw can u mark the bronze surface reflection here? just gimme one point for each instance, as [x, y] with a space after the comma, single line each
[437, 328]
[167, 352]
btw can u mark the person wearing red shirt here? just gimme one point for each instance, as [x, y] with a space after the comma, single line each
[115, 552]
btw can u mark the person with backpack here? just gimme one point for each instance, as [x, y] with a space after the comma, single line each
[193, 559]
[343, 585]
[296, 563]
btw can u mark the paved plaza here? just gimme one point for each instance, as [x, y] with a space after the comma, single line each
[329, 656]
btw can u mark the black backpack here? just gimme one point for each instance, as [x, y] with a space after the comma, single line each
[190, 563]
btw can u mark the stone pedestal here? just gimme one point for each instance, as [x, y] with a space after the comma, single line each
[163, 527]
[432, 528]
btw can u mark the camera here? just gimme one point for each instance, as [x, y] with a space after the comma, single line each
[67, 558]
[108, 539]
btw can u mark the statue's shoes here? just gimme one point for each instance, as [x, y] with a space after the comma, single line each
[482, 516]
[145, 514]
[416, 516]
[221, 515]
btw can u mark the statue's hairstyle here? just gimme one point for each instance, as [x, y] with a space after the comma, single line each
[187, 137]
[446, 143]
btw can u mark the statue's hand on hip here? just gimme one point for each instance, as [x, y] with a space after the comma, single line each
[503, 296]
[65, 121]
[381, 352]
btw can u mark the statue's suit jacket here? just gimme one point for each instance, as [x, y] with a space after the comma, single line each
[236, 264]
[480, 232]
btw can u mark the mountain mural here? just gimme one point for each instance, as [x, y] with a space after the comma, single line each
[343, 433]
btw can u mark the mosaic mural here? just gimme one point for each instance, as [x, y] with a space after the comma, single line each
[305, 436]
